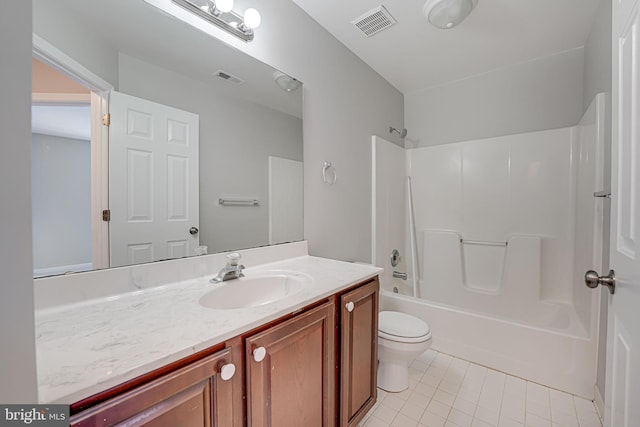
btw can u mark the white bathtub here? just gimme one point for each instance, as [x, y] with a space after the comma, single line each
[552, 357]
[499, 233]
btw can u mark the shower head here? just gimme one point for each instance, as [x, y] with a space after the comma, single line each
[402, 133]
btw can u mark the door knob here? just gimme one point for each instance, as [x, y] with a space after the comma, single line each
[592, 280]
[350, 306]
[193, 231]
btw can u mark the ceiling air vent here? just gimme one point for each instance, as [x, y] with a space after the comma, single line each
[374, 21]
[228, 77]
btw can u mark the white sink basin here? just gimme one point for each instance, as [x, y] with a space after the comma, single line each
[255, 290]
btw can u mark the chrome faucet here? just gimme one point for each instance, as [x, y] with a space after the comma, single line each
[232, 270]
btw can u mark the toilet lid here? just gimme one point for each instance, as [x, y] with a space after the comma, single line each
[401, 325]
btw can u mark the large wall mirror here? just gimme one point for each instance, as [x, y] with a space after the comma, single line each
[203, 152]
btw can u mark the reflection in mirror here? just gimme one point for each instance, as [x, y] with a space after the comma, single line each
[204, 148]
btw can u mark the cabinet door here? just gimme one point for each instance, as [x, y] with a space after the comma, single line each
[290, 372]
[194, 396]
[358, 352]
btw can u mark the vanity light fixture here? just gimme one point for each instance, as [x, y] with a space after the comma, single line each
[218, 6]
[221, 14]
[446, 14]
[287, 83]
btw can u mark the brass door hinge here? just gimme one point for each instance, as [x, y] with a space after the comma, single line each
[106, 215]
[106, 119]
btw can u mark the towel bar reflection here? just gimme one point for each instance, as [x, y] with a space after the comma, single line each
[238, 202]
[483, 242]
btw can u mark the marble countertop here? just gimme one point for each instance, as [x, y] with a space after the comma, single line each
[90, 346]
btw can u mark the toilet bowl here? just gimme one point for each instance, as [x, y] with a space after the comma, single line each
[401, 338]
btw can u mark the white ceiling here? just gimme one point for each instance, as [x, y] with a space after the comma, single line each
[414, 55]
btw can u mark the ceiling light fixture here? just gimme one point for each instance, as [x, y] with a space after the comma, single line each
[286, 82]
[221, 14]
[446, 14]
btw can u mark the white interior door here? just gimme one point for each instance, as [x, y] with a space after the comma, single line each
[153, 181]
[622, 400]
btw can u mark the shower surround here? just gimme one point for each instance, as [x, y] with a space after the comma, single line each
[505, 229]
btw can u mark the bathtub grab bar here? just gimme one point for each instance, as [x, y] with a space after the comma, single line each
[483, 242]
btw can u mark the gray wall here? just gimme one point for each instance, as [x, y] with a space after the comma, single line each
[17, 357]
[544, 93]
[236, 138]
[79, 42]
[345, 102]
[597, 78]
[597, 55]
[61, 197]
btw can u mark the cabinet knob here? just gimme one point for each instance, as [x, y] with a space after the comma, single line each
[259, 354]
[227, 371]
[349, 306]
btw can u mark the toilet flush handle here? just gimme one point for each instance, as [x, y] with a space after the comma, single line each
[349, 306]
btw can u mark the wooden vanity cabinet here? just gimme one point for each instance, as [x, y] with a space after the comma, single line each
[314, 368]
[195, 395]
[293, 367]
[290, 371]
[358, 352]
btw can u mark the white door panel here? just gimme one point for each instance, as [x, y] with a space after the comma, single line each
[153, 162]
[623, 336]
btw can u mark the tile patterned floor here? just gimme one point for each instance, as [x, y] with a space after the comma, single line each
[445, 391]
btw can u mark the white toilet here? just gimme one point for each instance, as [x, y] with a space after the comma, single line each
[401, 338]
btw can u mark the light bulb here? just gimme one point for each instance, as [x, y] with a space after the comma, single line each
[224, 5]
[252, 18]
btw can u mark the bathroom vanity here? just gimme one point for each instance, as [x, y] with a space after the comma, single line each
[307, 359]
